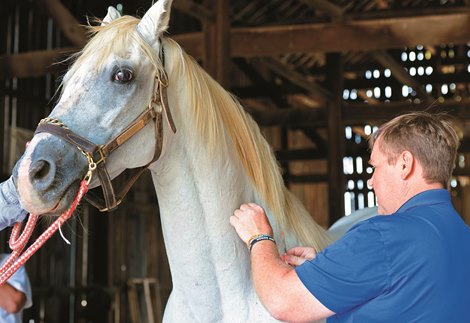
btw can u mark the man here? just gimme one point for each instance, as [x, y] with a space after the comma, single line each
[15, 295]
[411, 264]
[10, 209]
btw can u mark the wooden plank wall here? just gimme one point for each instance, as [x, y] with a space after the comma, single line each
[313, 195]
[135, 246]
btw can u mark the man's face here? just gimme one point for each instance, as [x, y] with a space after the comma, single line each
[386, 181]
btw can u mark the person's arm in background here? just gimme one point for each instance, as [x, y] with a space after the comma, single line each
[11, 299]
[10, 209]
[16, 294]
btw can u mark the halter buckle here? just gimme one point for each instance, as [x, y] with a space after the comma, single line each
[102, 156]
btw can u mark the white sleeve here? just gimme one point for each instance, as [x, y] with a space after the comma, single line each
[10, 209]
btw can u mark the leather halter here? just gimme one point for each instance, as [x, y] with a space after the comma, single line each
[97, 154]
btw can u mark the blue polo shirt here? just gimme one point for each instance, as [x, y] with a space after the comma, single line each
[411, 266]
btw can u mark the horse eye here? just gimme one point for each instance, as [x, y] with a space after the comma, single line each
[123, 75]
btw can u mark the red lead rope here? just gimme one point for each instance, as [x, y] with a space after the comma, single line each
[17, 244]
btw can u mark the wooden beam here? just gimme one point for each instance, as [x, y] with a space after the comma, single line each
[361, 149]
[307, 178]
[208, 51]
[35, 63]
[326, 6]
[405, 12]
[266, 90]
[358, 113]
[69, 26]
[299, 154]
[335, 129]
[216, 47]
[195, 10]
[290, 117]
[296, 78]
[355, 35]
[272, 90]
[193, 43]
[363, 113]
[222, 42]
[312, 134]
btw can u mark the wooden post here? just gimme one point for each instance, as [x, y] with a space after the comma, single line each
[285, 146]
[70, 26]
[3, 121]
[216, 60]
[465, 198]
[334, 80]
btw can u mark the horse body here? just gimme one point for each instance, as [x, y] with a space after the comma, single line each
[215, 161]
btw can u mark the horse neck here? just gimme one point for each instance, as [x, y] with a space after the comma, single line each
[197, 195]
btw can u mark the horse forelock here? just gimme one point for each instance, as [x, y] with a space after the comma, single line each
[215, 113]
[114, 39]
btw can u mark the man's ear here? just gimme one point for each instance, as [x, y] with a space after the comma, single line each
[406, 162]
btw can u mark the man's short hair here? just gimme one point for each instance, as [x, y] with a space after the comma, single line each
[431, 138]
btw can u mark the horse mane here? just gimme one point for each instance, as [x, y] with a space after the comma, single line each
[218, 113]
[221, 112]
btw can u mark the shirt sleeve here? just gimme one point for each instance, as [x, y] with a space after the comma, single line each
[10, 209]
[350, 272]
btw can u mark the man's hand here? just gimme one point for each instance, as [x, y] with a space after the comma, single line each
[298, 255]
[250, 220]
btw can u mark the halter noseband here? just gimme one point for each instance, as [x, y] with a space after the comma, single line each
[97, 154]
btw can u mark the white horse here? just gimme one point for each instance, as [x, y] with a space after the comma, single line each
[216, 160]
[340, 227]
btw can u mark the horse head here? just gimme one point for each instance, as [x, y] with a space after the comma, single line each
[103, 115]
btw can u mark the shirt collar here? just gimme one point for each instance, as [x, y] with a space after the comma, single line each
[429, 197]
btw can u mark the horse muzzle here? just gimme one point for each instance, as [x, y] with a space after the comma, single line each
[48, 175]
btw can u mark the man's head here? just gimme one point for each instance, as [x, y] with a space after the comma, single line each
[431, 138]
[415, 151]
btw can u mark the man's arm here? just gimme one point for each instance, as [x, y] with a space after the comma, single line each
[11, 300]
[276, 283]
[280, 289]
[10, 209]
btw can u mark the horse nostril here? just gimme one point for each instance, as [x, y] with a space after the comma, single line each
[40, 171]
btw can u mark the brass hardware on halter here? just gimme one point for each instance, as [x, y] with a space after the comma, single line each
[106, 209]
[91, 165]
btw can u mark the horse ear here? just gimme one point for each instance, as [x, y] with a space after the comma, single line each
[155, 21]
[110, 16]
